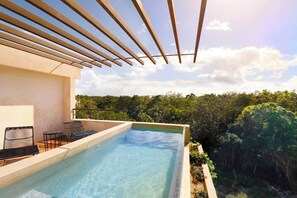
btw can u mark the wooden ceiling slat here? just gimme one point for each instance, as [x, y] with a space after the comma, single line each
[50, 37]
[42, 42]
[138, 5]
[63, 19]
[117, 18]
[36, 52]
[21, 11]
[86, 64]
[84, 56]
[91, 19]
[199, 30]
[36, 47]
[174, 28]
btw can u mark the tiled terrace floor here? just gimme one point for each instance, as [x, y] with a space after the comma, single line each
[41, 150]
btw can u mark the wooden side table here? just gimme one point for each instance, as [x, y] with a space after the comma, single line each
[52, 138]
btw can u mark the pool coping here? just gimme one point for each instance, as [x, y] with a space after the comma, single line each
[175, 187]
[14, 172]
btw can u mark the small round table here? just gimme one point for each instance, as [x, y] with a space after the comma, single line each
[49, 137]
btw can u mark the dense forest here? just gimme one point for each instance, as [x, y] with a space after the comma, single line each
[251, 137]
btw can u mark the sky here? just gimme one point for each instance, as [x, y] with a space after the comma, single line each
[245, 46]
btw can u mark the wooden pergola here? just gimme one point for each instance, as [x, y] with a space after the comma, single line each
[46, 45]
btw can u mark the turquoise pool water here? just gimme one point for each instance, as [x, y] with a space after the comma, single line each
[136, 164]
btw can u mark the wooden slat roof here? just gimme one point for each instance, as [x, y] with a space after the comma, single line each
[21, 35]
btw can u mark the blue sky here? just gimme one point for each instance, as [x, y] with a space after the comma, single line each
[246, 45]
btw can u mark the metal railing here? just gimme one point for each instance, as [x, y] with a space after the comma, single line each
[96, 114]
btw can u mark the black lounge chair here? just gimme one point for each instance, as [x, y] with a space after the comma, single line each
[75, 130]
[18, 142]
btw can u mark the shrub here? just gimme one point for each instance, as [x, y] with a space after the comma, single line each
[263, 192]
[239, 195]
[211, 168]
[194, 146]
[197, 158]
[201, 194]
[198, 173]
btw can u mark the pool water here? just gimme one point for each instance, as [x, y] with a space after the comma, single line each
[136, 164]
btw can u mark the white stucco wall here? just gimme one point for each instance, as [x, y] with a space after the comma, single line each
[44, 92]
[46, 85]
[20, 115]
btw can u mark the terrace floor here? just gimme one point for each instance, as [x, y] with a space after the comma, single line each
[41, 150]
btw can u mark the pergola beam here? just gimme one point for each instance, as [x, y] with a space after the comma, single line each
[52, 38]
[168, 55]
[42, 42]
[68, 22]
[138, 5]
[86, 51]
[21, 11]
[174, 28]
[118, 19]
[36, 52]
[92, 20]
[199, 30]
[37, 47]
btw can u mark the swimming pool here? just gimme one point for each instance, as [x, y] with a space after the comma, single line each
[135, 163]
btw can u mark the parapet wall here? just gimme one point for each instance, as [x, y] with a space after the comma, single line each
[46, 85]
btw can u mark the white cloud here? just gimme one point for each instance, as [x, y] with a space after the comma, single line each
[218, 70]
[96, 84]
[225, 77]
[218, 26]
[236, 65]
[147, 69]
[260, 77]
[143, 29]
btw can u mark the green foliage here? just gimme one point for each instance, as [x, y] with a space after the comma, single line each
[264, 137]
[239, 195]
[197, 171]
[201, 194]
[242, 179]
[211, 167]
[212, 116]
[110, 115]
[230, 139]
[145, 118]
[237, 184]
[209, 115]
[194, 146]
[172, 108]
[197, 158]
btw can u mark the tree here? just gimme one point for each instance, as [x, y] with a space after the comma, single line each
[230, 143]
[85, 103]
[212, 116]
[268, 133]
